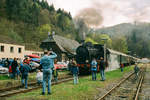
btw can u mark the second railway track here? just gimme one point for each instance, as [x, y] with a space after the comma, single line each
[126, 89]
[32, 86]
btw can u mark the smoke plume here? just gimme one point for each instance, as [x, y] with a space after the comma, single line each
[91, 16]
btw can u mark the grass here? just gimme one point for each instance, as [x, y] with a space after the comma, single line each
[4, 77]
[5, 81]
[86, 89]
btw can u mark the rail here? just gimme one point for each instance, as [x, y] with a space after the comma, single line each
[122, 81]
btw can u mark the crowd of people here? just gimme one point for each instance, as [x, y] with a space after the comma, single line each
[48, 69]
[21, 69]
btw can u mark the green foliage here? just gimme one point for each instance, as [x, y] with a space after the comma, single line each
[90, 40]
[137, 37]
[29, 21]
[44, 17]
[138, 41]
[99, 38]
[15, 37]
[43, 30]
[120, 44]
[104, 38]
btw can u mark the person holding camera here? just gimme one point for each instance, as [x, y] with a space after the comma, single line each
[47, 63]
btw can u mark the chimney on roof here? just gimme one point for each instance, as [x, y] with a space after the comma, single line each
[50, 35]
[53, 33]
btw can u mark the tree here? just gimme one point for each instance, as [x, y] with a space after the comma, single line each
[44, 17]
[43, 31]
[2, 8]
[120, 44]
[88, 39]
[35, 13]
[99, 38]
[51, 8]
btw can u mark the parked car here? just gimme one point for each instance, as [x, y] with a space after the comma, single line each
[3, 70]
[61, 65]
[34, 66]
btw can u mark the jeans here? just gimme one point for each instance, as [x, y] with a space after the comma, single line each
[75, 77]
[47, 76]
[93, 75]
[102, 74]
[24, 77]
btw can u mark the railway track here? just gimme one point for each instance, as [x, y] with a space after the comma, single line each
[145, 87]
[126, 89]
[31, 86]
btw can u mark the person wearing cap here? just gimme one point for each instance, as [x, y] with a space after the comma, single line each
[102, 68]
[47, 63]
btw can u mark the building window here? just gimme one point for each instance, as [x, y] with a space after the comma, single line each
[2, 48]
[11, 49]
[19, 50]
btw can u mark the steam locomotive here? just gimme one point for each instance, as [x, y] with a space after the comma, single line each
[87, 51]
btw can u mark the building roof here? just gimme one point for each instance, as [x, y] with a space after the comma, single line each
[64, 44]
[117, 52]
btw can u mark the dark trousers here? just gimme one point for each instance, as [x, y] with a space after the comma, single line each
[14, 74]
[93, 75]
[24, 80]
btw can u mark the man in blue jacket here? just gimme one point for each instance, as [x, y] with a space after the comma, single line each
[94, 68]
[25, 70]
[47, 63]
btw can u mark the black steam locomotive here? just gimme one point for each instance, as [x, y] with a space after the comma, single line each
[87, 51]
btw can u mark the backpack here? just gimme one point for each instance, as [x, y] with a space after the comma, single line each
[94, 66]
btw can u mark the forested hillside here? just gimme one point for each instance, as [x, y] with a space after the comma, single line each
[136, 37]
[29, 21]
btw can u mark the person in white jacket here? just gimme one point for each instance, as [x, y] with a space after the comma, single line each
[39, 77]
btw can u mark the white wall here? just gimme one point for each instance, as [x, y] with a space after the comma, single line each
[112, 62]
[15, 53]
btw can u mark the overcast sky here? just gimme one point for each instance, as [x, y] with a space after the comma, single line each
[112, 11]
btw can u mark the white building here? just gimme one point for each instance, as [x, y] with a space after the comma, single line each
[12, 51]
